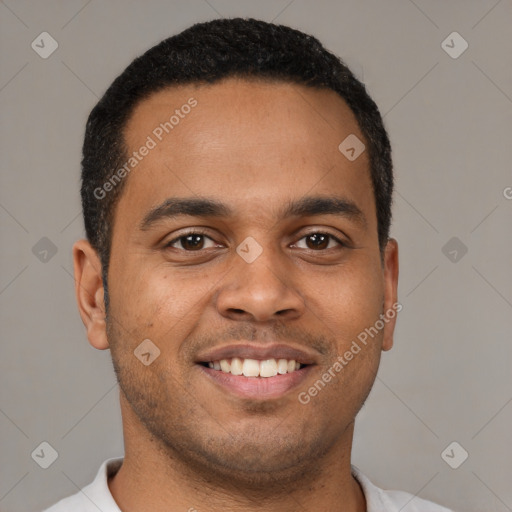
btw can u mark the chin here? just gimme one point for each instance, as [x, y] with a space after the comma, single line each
[257, 461]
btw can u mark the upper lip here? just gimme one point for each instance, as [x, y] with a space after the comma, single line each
[254, 351]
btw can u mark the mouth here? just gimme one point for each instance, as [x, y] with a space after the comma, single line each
[255, 368]
[256, 372]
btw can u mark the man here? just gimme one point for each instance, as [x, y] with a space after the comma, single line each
[236, 187]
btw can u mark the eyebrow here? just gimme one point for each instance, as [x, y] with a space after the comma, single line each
[204, 207]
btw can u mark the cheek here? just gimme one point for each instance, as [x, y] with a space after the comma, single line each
[349, 300]
[156, 302]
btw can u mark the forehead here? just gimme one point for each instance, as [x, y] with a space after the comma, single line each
[263, 107]
[254, 143]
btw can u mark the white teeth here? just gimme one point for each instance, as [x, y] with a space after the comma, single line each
[251, 368]
[268, 368]
[282, 366]
[254, 367]
[236, 366]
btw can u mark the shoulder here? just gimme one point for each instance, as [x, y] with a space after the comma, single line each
[380, 500]
[94, 496]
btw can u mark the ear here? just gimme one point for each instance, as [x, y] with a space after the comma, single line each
[90, 293]
[391, 305]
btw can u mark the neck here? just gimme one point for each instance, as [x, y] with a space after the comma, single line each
[152, 478]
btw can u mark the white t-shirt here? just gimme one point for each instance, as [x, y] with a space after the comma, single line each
[96, 496]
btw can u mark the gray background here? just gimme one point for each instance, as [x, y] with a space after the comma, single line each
[448, 376]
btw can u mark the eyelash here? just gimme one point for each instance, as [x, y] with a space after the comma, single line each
[203, 233]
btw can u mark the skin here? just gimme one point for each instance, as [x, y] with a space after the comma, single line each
[253, 145]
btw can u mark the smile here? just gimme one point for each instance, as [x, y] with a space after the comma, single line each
[255, 368]
[256, 371]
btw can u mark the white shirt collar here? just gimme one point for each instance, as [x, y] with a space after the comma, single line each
[97, 495]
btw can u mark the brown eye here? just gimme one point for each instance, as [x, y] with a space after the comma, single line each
[320, 241]
[189, 242]
[192, 242]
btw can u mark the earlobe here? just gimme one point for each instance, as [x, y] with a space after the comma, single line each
[391, 304]
[89, 293]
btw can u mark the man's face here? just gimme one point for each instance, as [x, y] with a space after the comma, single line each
[254, 284]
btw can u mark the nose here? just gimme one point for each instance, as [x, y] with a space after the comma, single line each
[261, 291]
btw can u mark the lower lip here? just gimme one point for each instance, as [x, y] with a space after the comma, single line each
[257, 387]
